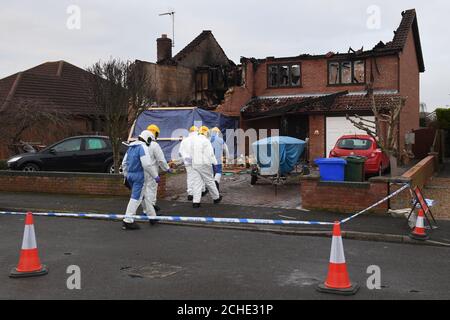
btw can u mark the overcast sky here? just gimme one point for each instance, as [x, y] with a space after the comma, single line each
[32, 32]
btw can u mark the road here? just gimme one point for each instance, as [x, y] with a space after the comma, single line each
[179, 262]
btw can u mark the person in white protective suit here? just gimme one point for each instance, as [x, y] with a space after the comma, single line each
[220, 149]
[203, 158]
[136, 165]
[185, 154]
[158, 161]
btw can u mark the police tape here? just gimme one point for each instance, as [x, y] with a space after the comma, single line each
[203, 219]
[170, 218]
[393, 194]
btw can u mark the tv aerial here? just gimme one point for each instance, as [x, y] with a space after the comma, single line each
[171, 13]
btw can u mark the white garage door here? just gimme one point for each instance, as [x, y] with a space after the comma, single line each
[337, 127]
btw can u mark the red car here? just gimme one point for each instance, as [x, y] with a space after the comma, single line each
[365, 146]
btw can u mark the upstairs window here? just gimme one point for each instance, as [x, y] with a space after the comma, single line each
[283, 75]
[346, 72]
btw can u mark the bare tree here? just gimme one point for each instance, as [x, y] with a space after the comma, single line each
[386, 117]
[118, 87]
[24, 114]
[140, 89]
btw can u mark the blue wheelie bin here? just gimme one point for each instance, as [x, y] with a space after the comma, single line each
[331, 169]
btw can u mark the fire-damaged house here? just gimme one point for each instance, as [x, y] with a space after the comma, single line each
[310, 95]
[198, 75]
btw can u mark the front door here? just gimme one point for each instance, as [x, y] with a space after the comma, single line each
[296, 126]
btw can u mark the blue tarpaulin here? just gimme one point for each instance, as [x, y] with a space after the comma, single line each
[175, 123]
[278, 154]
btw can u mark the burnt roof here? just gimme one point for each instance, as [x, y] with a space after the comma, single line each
[332, 102]
[56, 85]
[191, 46]
[407, 24]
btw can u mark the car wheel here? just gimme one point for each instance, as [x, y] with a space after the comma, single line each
[110, 169]
[29, 167]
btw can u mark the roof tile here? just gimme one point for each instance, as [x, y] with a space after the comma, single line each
[67, 93]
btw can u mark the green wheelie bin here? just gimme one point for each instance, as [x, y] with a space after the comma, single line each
[354, 170]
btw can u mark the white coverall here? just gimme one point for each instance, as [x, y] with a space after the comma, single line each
[185, 152]
[157, 160]
[136, 166]
[202, 155]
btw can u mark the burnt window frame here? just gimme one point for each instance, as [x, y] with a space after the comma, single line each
[279, 65]
[352, 61]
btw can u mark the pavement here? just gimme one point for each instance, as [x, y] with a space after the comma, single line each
[173, 262]
[234, 185]
[365, 227]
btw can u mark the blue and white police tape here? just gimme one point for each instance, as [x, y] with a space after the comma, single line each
[171, 218]
[204, 219]
[375, 204]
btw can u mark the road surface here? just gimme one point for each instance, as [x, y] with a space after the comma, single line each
[179, 262]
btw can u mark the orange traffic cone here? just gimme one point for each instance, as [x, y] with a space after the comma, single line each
[419, 230]
[337, 280]
[29, 263]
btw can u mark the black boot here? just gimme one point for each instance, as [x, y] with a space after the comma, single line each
[130, 226]
[217, 185]
[152, 222]
[196, 205]
[218, 200]
[190, 198]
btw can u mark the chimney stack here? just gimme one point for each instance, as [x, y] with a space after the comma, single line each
[163, 48]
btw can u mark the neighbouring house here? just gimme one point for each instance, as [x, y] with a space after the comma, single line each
[58, 87]
[198, 75]
[309, 95]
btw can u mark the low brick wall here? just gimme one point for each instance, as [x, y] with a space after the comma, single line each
[418, 175]
[421, 172]
[68, 183]
[345, 197]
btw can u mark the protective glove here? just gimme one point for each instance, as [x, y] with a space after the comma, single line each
[158, 179]
[169, 170]
[187, 161]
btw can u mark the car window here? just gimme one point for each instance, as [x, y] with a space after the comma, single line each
[68, 146]
[354, 144]
[95, 144]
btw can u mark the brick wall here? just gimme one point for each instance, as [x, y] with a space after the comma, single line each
[345, 197]
[173, 85]
[421, 172]
[410, 88]
[315, 73]
[68, 183]
[418, 175]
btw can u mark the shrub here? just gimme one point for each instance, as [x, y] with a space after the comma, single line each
[443, 118]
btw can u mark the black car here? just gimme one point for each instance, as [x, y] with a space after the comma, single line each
[76, 154]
